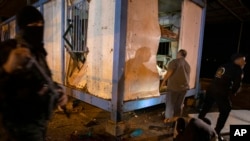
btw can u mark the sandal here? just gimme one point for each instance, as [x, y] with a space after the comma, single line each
[170, 120]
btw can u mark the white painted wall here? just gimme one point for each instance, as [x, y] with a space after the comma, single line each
[53, 37]
[143, 36]
[190, 35]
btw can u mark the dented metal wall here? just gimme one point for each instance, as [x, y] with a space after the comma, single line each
[95, 74]
[53, 36]
[190, 35]
[143, 35]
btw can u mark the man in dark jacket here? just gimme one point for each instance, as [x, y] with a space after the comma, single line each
[25, 99]
[227, 82]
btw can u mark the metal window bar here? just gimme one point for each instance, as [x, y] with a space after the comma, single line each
[77, 16]
[5, 32]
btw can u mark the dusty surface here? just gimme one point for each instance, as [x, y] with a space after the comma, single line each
[87, 123]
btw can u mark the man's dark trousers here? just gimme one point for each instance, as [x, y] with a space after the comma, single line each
[221, 97]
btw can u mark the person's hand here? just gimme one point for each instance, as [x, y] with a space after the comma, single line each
[17, 59]
[63, 98]
[162, 84]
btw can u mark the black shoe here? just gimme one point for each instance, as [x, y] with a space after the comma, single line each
[220, 138]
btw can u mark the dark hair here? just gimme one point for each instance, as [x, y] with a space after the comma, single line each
[181, 125]
[207, 121]
[236, 56]
[183, 52]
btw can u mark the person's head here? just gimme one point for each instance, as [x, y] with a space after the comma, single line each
[182, 53]
[180, 125]
[30, 23]
[239, 59]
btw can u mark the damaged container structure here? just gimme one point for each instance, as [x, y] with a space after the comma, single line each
[112, 53]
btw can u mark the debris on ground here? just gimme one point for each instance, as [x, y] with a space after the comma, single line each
[136, 132]
[91, 123]
[157, 128]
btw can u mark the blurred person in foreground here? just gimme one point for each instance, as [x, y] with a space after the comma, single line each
[195, 129]
[25, 98]
[226, 82]
[177, 78]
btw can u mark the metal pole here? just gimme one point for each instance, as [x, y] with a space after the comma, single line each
[62, 43]
[119, 59]
[202, 27]
[240, 35]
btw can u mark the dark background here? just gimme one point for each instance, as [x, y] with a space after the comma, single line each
[222, 35]
[220, 42]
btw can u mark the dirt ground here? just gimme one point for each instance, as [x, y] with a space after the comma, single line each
[87, 122]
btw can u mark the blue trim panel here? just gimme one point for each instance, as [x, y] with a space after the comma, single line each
[40, 3]
[89, 98]
[62, 42]
[144, 103]
[202, 27]
[120, 30]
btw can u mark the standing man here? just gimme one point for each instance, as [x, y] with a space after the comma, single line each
[178, 74]
[227, 82]
[25, 100]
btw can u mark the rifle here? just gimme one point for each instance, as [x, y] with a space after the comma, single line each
[54, 95]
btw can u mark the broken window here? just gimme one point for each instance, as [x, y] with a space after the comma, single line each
[5, 34]
[75, 35]
[169, 20]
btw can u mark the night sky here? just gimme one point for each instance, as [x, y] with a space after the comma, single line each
[220, 42]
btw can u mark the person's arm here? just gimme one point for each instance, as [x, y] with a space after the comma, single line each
[4, 77]
[170, 71]
[166, 77]
[6, 48]
[237, 82]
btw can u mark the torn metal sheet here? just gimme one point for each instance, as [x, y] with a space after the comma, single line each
[143, 35]
[168, 34]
